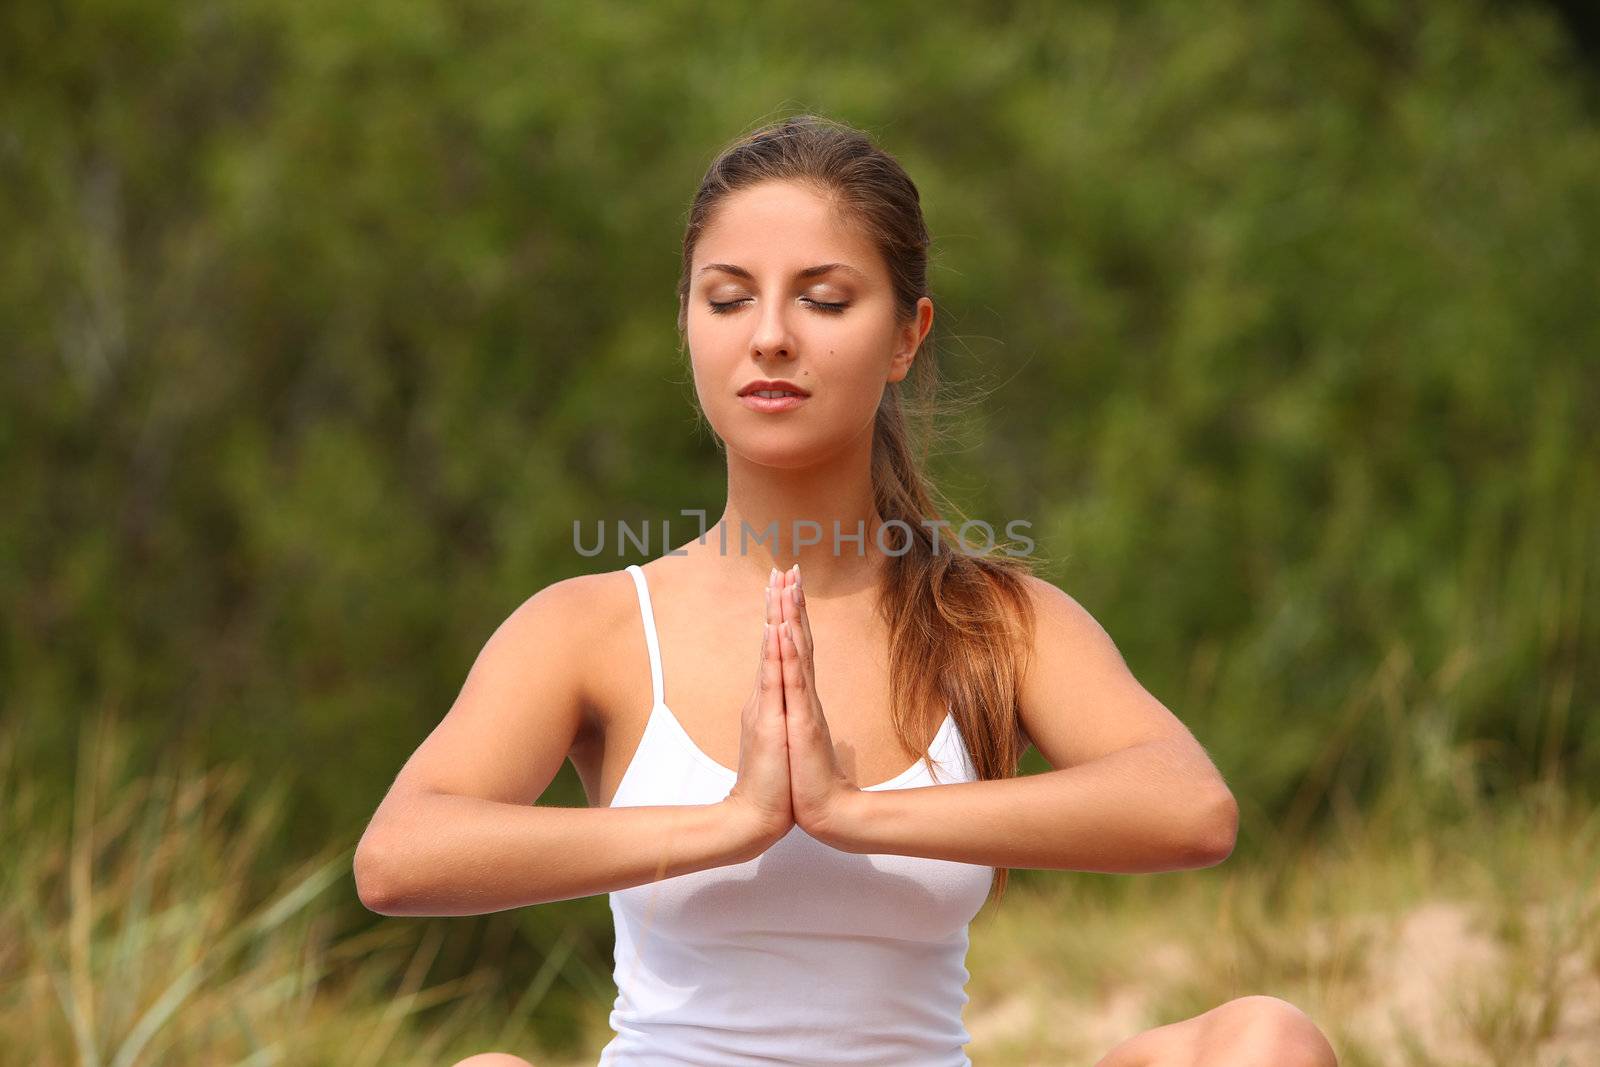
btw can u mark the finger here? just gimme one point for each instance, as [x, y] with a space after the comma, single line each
[805, 616]
[772, 661]
[796, 690]
[774, 599]
[766, 643]
[799, 622]
[772, 677]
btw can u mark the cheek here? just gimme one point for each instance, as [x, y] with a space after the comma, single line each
[713, 372]
[863, 361]
[708, 349]
[705, 381]
[694, 333]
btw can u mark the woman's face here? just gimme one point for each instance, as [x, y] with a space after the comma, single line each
[781, 290]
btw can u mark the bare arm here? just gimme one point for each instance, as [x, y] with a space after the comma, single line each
[464, 855]
[460, 833]
[1132, 790]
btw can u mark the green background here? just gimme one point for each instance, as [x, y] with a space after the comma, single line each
[322, 323]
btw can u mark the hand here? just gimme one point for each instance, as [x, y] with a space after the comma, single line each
[819, 788]
[761, 790]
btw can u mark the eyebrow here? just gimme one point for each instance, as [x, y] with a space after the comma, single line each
[809, 272]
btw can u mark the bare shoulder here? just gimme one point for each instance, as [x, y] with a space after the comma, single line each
[571, 612]
[529, 697]
[1057, 610]
[578, 620]
[1079, 700]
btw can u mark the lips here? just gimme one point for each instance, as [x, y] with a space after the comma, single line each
[773, 389]
[771, 401]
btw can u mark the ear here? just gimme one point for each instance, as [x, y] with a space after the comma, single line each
[908, 339]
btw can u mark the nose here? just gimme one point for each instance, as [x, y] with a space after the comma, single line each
[772, 337]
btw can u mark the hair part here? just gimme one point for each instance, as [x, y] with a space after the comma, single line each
[955, 605]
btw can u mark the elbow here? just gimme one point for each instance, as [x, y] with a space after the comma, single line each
[1219, 830]
[375, 882]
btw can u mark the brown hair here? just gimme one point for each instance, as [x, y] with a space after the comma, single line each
[959, 607]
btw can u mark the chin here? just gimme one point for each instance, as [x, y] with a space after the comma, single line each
[780, 447]
[774, 455]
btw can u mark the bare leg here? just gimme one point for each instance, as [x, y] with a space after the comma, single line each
[1253, 1031]
[493, 1059]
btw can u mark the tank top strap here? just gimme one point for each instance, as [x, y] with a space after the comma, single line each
[650, 639]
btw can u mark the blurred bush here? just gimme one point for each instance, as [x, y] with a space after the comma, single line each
[315, 316]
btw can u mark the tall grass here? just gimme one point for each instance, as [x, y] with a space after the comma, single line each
[132, 932]
[1443, 925]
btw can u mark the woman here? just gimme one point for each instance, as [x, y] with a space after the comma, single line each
[785, 888]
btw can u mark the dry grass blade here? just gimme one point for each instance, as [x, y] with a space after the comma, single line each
[268, 919]
[402, 1004]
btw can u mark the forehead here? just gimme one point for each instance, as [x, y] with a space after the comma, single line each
[781, 226]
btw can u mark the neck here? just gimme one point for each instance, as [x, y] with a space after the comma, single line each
[827, 504]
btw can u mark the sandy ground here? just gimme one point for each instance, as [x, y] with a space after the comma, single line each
[1437, 987]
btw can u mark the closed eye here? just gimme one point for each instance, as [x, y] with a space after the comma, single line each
[723, 307]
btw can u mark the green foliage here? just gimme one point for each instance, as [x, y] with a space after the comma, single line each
[134, 934]
[1284, 315]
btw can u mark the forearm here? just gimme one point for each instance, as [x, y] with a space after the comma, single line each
[441, 854]
[1143, 809]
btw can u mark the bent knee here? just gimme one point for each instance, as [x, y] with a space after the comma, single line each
[1271, 1027]
[493, 1059]
[1172, 1043]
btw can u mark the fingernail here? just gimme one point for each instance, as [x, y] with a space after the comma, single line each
[797, 574]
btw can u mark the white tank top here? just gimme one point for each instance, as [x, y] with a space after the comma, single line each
[803, 955]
